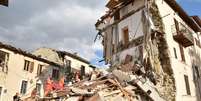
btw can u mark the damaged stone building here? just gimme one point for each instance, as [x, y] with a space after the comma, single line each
[72, 62]
[23, 72]
[157, 38]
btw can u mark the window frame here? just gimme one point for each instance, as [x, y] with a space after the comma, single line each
[38, 90]
[175, 52]
[28, 66]
[55, 73]
[39, 69]
[182, 53]
[23, 90]
[125, 35]
[5, 59]
[187, 84]
[1, 92]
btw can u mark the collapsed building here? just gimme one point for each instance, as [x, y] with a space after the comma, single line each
[72, 63]
[156, 40]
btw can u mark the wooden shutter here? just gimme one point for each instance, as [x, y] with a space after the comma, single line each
[39, 69]
[25, 64]
[126, 36]
[31, 67]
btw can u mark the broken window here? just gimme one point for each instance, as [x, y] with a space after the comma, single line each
[55, 73]
[28, 66]
[175, 53]
[23, 87]
[39, 69]
[125, 36]
[187, 85]
[4, 61]
[182, 53]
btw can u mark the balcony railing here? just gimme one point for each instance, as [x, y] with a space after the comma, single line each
[182, 35]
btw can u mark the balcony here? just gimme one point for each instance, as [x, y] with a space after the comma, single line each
[182, 35]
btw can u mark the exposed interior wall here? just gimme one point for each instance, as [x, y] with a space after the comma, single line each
[180, 68]
[159, 55]
[77, 64]
[158, 47]
[48, 54]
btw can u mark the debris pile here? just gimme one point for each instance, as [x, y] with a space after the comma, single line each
[118, 85]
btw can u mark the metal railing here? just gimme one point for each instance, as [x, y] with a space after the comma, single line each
[182, 30]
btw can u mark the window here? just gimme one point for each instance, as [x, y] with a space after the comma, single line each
[39, 69]
[82, 73]
[82, 70]
[28, 66]
[187, 85]
[116, 15]
[4, 61]
[197, 71]
[1, 91]
[23, 87]
[126, 36]
[55, 74]
[176, 25]
[141, 52]
[68, 63]
[182, 53]
[197, 42]
[68, 66]
[38, 88]
[175, 53]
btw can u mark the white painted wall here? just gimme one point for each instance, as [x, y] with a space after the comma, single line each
[134, 25]
[16, 74]
[179, 67]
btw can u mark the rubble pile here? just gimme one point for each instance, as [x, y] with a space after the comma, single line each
[117, 85]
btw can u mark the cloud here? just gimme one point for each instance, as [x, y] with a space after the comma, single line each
[60, 24]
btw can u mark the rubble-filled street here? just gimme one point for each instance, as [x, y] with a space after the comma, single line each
[100, 50]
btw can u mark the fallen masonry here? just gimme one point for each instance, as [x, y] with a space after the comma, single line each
[113, 86]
